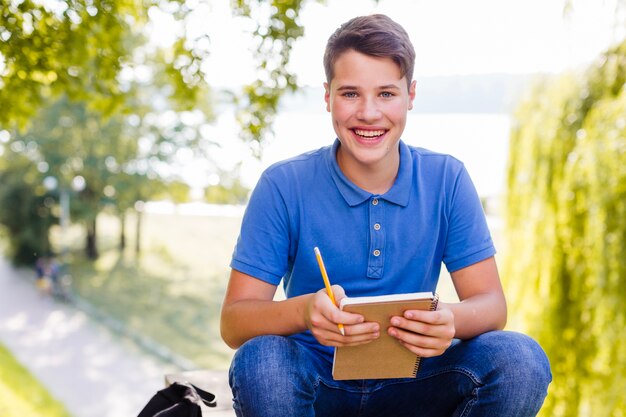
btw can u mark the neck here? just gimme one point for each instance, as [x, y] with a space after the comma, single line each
[375, 179]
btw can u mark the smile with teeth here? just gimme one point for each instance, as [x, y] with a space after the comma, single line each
[369, 133]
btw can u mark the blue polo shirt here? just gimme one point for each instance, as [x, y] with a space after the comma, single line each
[371, 244]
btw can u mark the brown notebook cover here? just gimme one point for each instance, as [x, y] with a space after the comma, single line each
[384, 357]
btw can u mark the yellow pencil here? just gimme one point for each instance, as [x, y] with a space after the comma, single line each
[329, 290]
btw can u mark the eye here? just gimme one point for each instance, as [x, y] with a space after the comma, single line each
[387, 94]
[349, 94]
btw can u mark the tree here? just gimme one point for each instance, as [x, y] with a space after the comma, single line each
[119, 160]
[89, 52]
[228, 190]
[25, 211]
[133, 125]
[566, 228]
[274, 37]
[80, 48]
[93, 55]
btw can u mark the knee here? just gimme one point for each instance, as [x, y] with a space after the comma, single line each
[518, 358]
[259, 358]
[511, 370]
[266, 370]
[269, 358]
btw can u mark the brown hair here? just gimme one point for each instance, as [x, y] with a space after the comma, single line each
[375, 35]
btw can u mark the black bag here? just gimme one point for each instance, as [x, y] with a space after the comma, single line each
[178, 400]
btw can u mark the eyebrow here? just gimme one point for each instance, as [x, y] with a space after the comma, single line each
[347, 87]
[382, 87]
[389, 87]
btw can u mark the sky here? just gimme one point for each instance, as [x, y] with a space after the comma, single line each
[450, 36]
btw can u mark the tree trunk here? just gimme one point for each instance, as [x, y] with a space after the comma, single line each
[91, 248]
[122, 231]
[138, 231]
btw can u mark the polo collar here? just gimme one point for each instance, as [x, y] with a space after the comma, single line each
[398, 194]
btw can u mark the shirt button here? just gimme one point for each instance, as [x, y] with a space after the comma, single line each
[375, 201]
[376, 252]
[377, 226]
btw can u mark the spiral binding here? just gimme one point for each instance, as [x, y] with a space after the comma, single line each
[418, 359]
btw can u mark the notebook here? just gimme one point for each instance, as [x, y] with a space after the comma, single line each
[384, 357]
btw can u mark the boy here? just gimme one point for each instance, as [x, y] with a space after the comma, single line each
[384, 215]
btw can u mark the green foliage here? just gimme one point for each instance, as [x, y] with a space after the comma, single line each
[68, 141]
[79, 48]
[82, 48]
[229, 190]
[25, 211]
[566, 228]
[277, 29]
[178, 192]
[85, 96]
[21, 395]
[77, 105]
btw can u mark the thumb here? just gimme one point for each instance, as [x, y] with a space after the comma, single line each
[338, 292]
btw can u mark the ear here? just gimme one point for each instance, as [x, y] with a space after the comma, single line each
[327, 96]
[412, 93]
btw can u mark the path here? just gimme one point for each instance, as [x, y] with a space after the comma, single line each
[93, 371]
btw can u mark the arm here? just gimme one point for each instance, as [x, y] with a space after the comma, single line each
[482, 308]
[249, 311]
[482, 305]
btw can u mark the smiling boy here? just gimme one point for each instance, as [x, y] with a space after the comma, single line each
[368, 98]
[386, 216]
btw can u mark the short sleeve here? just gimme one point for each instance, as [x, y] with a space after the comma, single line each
[468, 239]
[262, 249]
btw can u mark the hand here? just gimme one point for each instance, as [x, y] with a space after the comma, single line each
[322, 318]
[425, 333]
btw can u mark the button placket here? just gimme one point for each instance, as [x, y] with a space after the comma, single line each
[377, 239]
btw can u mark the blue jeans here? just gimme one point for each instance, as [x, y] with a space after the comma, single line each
[503, 374]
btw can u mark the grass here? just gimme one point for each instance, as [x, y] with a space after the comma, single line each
[21, 395]
[171, 293]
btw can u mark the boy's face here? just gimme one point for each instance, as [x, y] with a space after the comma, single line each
[368, 99]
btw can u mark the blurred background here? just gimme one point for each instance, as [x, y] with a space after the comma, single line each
[132, 131]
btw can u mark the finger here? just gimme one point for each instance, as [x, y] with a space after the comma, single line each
[337, 316]
[445, 331]
[353, 340]
[355, 335]
[329, 318]
[357, 342]
[323, 305]
[338, 292]
[352, 333]
[421, 340]
[420, 344]
[423, 352]
[326, 337]
[437, 317]
[326, 314]
[359, 338]
[362, 329]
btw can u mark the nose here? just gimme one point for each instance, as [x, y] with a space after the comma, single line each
[368, 109]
